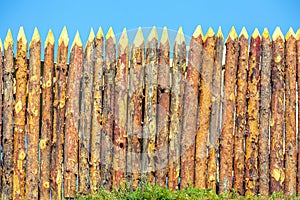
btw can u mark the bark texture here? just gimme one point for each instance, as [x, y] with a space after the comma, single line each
[1, 107]
[298, 81]
[240, 123]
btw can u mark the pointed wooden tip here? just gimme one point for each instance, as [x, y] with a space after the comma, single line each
[164, 36]
[209, 33]
[232, 34]
[265, 34]
[1, 48]
[91, 36]
[153, 34]
[277, 34]
[64, 38]
[77, 40]
[180, 36]
[8, 40]
[110, 34]
[198, 32]
[139, 38]
[244, 33]
[298, 34]
[124, 38]
[21, 35]
[35, 36]
[255, 33]
[49, 38]
[220, 33]
[290, 33]
[99, 34]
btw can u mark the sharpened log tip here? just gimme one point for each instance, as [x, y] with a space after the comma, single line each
[265, 34]
[50, 38]
[255, 33]
[290, 33]
[277, 34]
[198, 32]
[8, 40]
[244, 33]
[64, 38]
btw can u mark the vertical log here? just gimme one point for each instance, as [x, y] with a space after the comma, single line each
[149, 125]
[95, 177]
[241, 108]
[251, 158]
[202, 134]
[59, 115]
[33, 118]
[72, 118]
[265, 98]
[86, 115]
[298, 81]
[108, 110]
[19, 117]
[120, 133]
[177, 91]
[228, 107]
[215, 119]
[190, 105]
[135, 95]
[290, 114]
[163, 109]
[47, 114]
[8, 99]
[1, 105]
[277, 114]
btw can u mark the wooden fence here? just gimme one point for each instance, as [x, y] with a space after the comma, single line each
[117, 114]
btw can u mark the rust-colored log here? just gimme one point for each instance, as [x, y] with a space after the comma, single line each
[135, 95]
[86, 116]
[47, 114]
[177, 91]
[290, 114]
[190, 105]
[1, 105]
[150, 106]
[277, 174]
[163, 109]
[202, 134]
[72, 118]
[95, 177]
[241, 108]
[120, 133]
[298, 81]
[8, 101]
[228, 107]
[252, 123]
[108, 110]
[265, 101]
[20, 117]
[214, 132]
[60, 84]
[33, 118]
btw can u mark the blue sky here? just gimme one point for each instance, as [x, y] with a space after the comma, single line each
[83, 15]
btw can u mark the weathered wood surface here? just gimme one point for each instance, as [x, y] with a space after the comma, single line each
[72, 119]
[1, 106]
[21, 68]
[190, 108]
[298, 88]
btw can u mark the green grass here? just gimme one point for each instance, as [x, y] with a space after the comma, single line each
[147, 191]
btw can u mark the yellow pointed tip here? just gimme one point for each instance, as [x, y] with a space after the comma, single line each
[266, 34]
[220, 34]
[153, 34]
[8, 40]
[277, 34]
[198, 32]
[50, 38]
[180, 36]
[64, 38]
[91, 35]
[255, 33]
[35, 36]
[298, 34]
[139, 38]
[290, 33]
[209, 33]
[244, 33]
[232, 34]
[99, 33]
[123, 42]
[1, 48]
[110, 34]
[77, 40]
[21, 35]
[164, 36]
